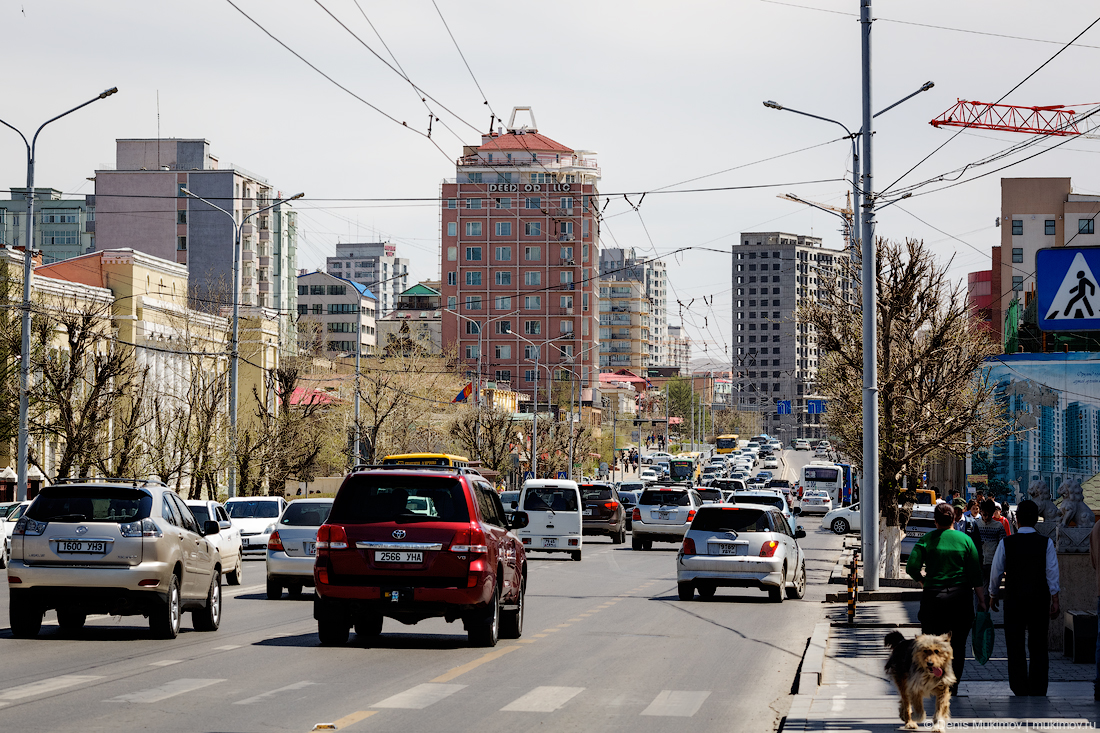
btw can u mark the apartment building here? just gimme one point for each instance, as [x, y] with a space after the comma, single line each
[141, 205]
[375, 265]
[776, 355]
[63, 227]
[334, 315]
[625, 325]
[520, 257]
[416, 324]
[679, 349]
[625, 264]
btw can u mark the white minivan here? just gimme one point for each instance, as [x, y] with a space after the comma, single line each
[553, 507]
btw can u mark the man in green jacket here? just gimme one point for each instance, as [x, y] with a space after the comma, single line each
[945, 563]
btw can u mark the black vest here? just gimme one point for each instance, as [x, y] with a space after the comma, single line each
[1026, 566]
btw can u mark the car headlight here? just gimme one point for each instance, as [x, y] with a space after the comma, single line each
[270, 528]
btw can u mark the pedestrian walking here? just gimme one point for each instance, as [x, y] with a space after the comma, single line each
[991, 532]
[945, 563]
[1028, 562]
[1094, 555]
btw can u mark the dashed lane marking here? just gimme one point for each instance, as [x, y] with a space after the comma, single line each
[420, 697]
[227, 647]
[44, 687]
[167, 690]
[676, 703]
[165, 663]
[463, 669]
[269, 693]
[543, 700]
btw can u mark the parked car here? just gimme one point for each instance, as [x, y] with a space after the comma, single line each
[377, 557]
[124, 549]
[255, 517]
[920, 522]
[555, 524]
[771, 462]
[602, 512]
[663, 514]
[8, 526]
[227, 540]
[765, 497]
[816, 501]
[741, 547]
[292, 547]
[842, 519]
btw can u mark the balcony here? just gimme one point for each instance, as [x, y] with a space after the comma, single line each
[265, 235]
[265, 260]
[246, 230]
[248, 255]
[246, 204]
[549, 162]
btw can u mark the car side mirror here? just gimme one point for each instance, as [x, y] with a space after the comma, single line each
[519, 520]
[799, 532]
[210, 527]
[796, 511]
[225, 524]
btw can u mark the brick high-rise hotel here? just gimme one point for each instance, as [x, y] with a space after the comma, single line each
[520, 258]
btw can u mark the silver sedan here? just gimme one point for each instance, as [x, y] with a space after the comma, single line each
[292, 547]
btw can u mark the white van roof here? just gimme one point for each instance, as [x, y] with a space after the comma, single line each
[550, 483]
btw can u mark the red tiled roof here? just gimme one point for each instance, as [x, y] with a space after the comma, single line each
[530, 142]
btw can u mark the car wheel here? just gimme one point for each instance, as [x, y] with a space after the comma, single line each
[236, 575]
[484, 629]
[511, 622]
[70, 620]
[685, 591]
[576, 555]
[368, 627]
[25, 617]
[840, 525]
[635, 542]
[274, 590]
[647, 545]
[333, 627]
[797, 591]
[165, 620]
[294, 590]
[776, 594]
[209, 617]
[706, 591]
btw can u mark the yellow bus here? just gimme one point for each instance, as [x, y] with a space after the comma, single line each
[726, 443]
[426, 459]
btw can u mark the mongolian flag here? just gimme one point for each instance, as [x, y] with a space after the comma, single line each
[466, 392]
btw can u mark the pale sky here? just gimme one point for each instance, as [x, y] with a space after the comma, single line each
[664, 92]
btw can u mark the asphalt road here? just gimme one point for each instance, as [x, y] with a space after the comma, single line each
[606, 647]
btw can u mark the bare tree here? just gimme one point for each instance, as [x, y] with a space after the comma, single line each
[486, 433]
[933, 393]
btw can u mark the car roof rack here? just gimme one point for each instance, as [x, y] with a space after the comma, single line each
[110, 480]
[414, 467]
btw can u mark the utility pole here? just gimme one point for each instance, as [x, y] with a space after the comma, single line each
[666, 419]
[692, 411]
[358, 347]
[535, 422]
[614, 435]
[870, 506]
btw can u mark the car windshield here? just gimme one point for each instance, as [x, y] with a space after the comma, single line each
[371, 498]
[731, 519]
[595, 493]
[710, 495]
[628, 497]
[202, 514]
[766, 500]
[253, 509]
[665, 498]
[630, 486]
[550, 498]
[314, 513]
[507, 497]
[65, 503]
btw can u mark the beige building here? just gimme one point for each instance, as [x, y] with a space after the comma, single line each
[342, 313]
[625, 321]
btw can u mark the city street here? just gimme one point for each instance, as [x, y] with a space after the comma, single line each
[606, 645]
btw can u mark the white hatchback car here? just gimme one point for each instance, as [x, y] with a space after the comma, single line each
[228, 540]
[771, 462]
[843, 519]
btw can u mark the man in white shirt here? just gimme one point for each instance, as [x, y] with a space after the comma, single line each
[1029, 564]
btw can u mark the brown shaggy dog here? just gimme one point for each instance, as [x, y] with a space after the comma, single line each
[922, 667]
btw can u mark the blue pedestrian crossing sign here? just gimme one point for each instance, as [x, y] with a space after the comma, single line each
[783, 407]
[563, 474]
[1067, 288]
[528, 474]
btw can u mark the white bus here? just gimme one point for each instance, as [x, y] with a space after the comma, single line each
[823, 475]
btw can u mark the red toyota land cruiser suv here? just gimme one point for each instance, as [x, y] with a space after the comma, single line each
[417, 542]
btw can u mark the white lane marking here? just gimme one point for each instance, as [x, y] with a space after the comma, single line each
[264, 695]
[676, 703]
[839, 703]
[543, 699]
[419, 697]
[45, 686]
[227, 647]
[165, 663]
[165, 691]
[244, 591]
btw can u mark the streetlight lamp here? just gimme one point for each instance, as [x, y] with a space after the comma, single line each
[28, 273]
[234, 342]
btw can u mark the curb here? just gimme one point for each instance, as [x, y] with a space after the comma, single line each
[875, 595]
[813, 665]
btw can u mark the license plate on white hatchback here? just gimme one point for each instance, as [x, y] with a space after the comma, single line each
[664, 515]
[83, 547]
[396, 556]
[728, 548]
[310, 548]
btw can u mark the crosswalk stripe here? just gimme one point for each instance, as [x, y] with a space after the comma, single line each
[676, 703]
[45, 686]
[227, 647]
[269, 693]
[543, 700]
[419, 697]
[165, 691]
[164, 663]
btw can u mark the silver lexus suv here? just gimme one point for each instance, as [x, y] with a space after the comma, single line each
[113, 546]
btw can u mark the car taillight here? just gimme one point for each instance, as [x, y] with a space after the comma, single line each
[689, 546]
[637, 515]
[145, 528]
[274, 542]
[691, 515]
[612, 505]
[331, 537]
[471, 539]
[768, 548]
[28, 526]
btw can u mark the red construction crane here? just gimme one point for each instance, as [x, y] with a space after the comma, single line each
[1052, 120]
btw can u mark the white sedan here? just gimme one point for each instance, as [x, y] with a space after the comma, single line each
[843, 519]
[815, 501]
[771, 462]
[648, 476]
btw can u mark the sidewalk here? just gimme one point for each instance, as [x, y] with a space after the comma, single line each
[855, 694]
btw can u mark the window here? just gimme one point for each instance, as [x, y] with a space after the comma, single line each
[533, 202]
[473, 328]
[473, 229]
[504, 254]
[1017, 226]
[584, 301]
[532, 228]
[1086, 226]
[473, 254]
[452, 203]
[343, 308]
[530, 352]
[585, 228]
[181, 216]
[566, 277]
[503, 302]
[504, 228]
[504, 375]
[529, 375]
[503, 327]
[473, 277]
[452, 229]
[303, 290]
[452, 254]
[566, 327]
[567, 301]
[532, 328]
[317, 309]
[1049, 227]
[532, 302]
[505, 203]
[473, 302]
[532, 278]
[567, 203]
[341, 327]
[504, 277]
[471, 351]
[1017, 254]
[452, 278]
[567, 253]
[316, 289]
[303, 310]
[503, 351]
[452, 302]
[181, 244]
[584, 252]
[337, 266]
[473, 203]
[532, 254]
[1018, 282]
[337, 289]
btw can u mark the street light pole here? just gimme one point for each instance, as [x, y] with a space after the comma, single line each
[23, 447]
[234, 341]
